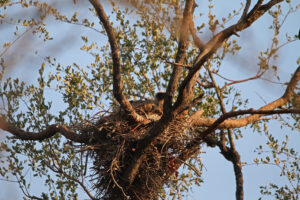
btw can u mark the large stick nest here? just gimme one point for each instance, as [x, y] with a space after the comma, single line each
[115, 143]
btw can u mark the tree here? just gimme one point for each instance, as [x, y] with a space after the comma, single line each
[134, 149]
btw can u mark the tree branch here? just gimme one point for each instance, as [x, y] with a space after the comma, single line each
[115, 53]
[182, 46]
[257, 11]
[47, 133]
[193, 146]
[186, 87]
[168, 115]
[196, 39]
[257, 76]
[268, 109]
[245, 10]
[234, 157]
[255, 116]
[230, 153]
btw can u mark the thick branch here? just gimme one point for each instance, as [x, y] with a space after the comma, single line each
[115, 53]
[222, 122]
[269, 109]
[168, 116]
[257, 11]
[47, 133]
[245, 10]
[234, 157]
[237, 166]
[186, 88]
[182, 46]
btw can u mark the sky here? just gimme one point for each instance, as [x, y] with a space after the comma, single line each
[219, 180]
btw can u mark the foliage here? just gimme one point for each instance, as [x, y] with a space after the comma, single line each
[149, 37]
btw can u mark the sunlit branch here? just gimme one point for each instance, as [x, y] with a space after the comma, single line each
[240, 81]
[267, 109]
[255, 114]
[186, 87]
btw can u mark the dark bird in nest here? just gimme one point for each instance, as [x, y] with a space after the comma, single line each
[150, 105]
[159, 99]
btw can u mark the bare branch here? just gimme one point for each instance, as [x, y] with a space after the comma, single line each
[115, 52]
[193, 146]
[230, 153]
[223, 109]
[245, 10]
[267, 109]
[234, 157]
[241, 81]
[257, 11]
[173, 63]
[255, 116]
[20, 36]
[47, 133]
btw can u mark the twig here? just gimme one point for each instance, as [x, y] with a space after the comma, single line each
[206, 86]
[10, 4]
[191, 167]
[173, 63]
[6, 49]
[2, 179]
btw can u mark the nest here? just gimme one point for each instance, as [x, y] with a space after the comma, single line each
[114, 145]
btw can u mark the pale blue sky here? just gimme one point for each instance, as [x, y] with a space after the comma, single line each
[219, 178]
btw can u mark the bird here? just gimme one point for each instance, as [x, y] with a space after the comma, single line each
[150, 106]
[159, 100]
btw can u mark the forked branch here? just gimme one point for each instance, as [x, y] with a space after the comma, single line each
[168, 115]
[180, 56]
[222, 122]
[187, 85]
